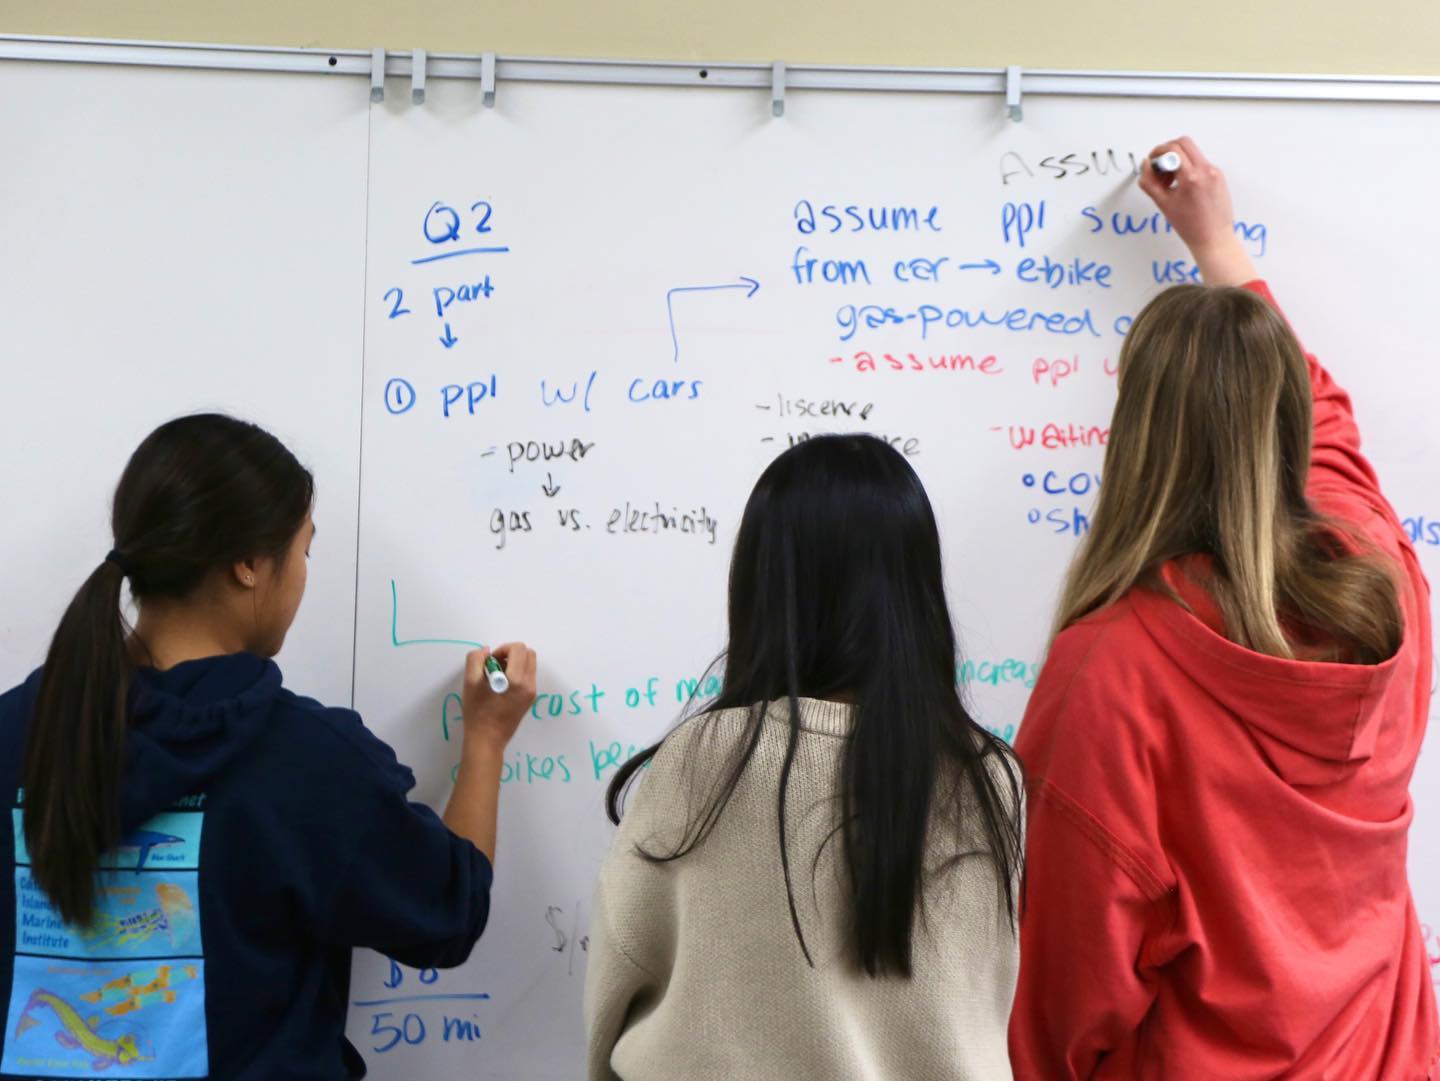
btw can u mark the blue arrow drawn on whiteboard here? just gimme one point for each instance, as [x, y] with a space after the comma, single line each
[448, 340]
[748, 284]
[989, 264]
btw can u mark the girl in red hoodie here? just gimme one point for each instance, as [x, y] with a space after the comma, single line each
[1221, 742]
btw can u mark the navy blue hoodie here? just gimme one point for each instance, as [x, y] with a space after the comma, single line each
[265, 836]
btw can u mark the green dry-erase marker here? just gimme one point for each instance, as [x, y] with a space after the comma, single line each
[495, 675]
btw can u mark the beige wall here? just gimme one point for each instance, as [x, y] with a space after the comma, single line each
[1379, 36]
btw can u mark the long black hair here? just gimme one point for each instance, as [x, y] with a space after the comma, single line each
[836, 591]
[200, 492]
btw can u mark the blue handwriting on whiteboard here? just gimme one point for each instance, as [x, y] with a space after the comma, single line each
[749, 284]
[442, 226]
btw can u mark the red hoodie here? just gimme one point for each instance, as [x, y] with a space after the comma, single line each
[1216, 857]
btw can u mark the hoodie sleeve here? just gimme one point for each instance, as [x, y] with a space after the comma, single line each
[407, 886]
[1091, 910]
[1097, 926]
[1342, 480]
[413, 890]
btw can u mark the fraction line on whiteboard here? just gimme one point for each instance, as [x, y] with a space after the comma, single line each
[457, 254]
[477, 997]
[398, 642]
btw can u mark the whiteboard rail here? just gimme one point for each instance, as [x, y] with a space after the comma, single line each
[357, 62]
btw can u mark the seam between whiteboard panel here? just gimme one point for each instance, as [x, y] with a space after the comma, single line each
[360, 450]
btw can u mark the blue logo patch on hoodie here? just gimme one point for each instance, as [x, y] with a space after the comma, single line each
[124, 996]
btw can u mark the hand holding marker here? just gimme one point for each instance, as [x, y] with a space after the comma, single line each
[1195, 199]
[499, 688]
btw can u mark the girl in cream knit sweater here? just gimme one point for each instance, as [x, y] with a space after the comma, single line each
[816, 877]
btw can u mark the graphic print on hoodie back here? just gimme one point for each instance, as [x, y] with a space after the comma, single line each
[124, 997]
[265, 836]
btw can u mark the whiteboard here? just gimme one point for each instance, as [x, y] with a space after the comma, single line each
[174, 242]
[259, 243]
[609, 200]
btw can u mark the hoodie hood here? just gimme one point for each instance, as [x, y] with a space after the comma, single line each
[1315, 721]
[190, 722]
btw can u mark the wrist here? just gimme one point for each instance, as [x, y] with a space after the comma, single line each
[482, 748]
[1224, 261]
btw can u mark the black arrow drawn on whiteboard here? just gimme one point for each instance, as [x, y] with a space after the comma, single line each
[989, 264]
[550, 488]
[448, 339]
[750, 285]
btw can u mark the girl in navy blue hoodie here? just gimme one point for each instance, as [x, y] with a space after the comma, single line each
[196, 849]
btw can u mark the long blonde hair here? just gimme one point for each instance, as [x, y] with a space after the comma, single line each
[1209, 452]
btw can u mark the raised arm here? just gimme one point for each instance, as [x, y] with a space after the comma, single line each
[490, 721]
[410, 887]
[1196, 202]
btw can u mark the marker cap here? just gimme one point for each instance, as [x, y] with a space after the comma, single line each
[1168, 162]
[495, 675]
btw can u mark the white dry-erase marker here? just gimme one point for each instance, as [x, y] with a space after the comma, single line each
[495, 675]
[1168, 162]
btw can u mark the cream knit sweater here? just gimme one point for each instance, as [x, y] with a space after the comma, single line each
[695, 973]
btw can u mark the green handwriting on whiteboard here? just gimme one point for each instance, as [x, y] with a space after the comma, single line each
[397, 641]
